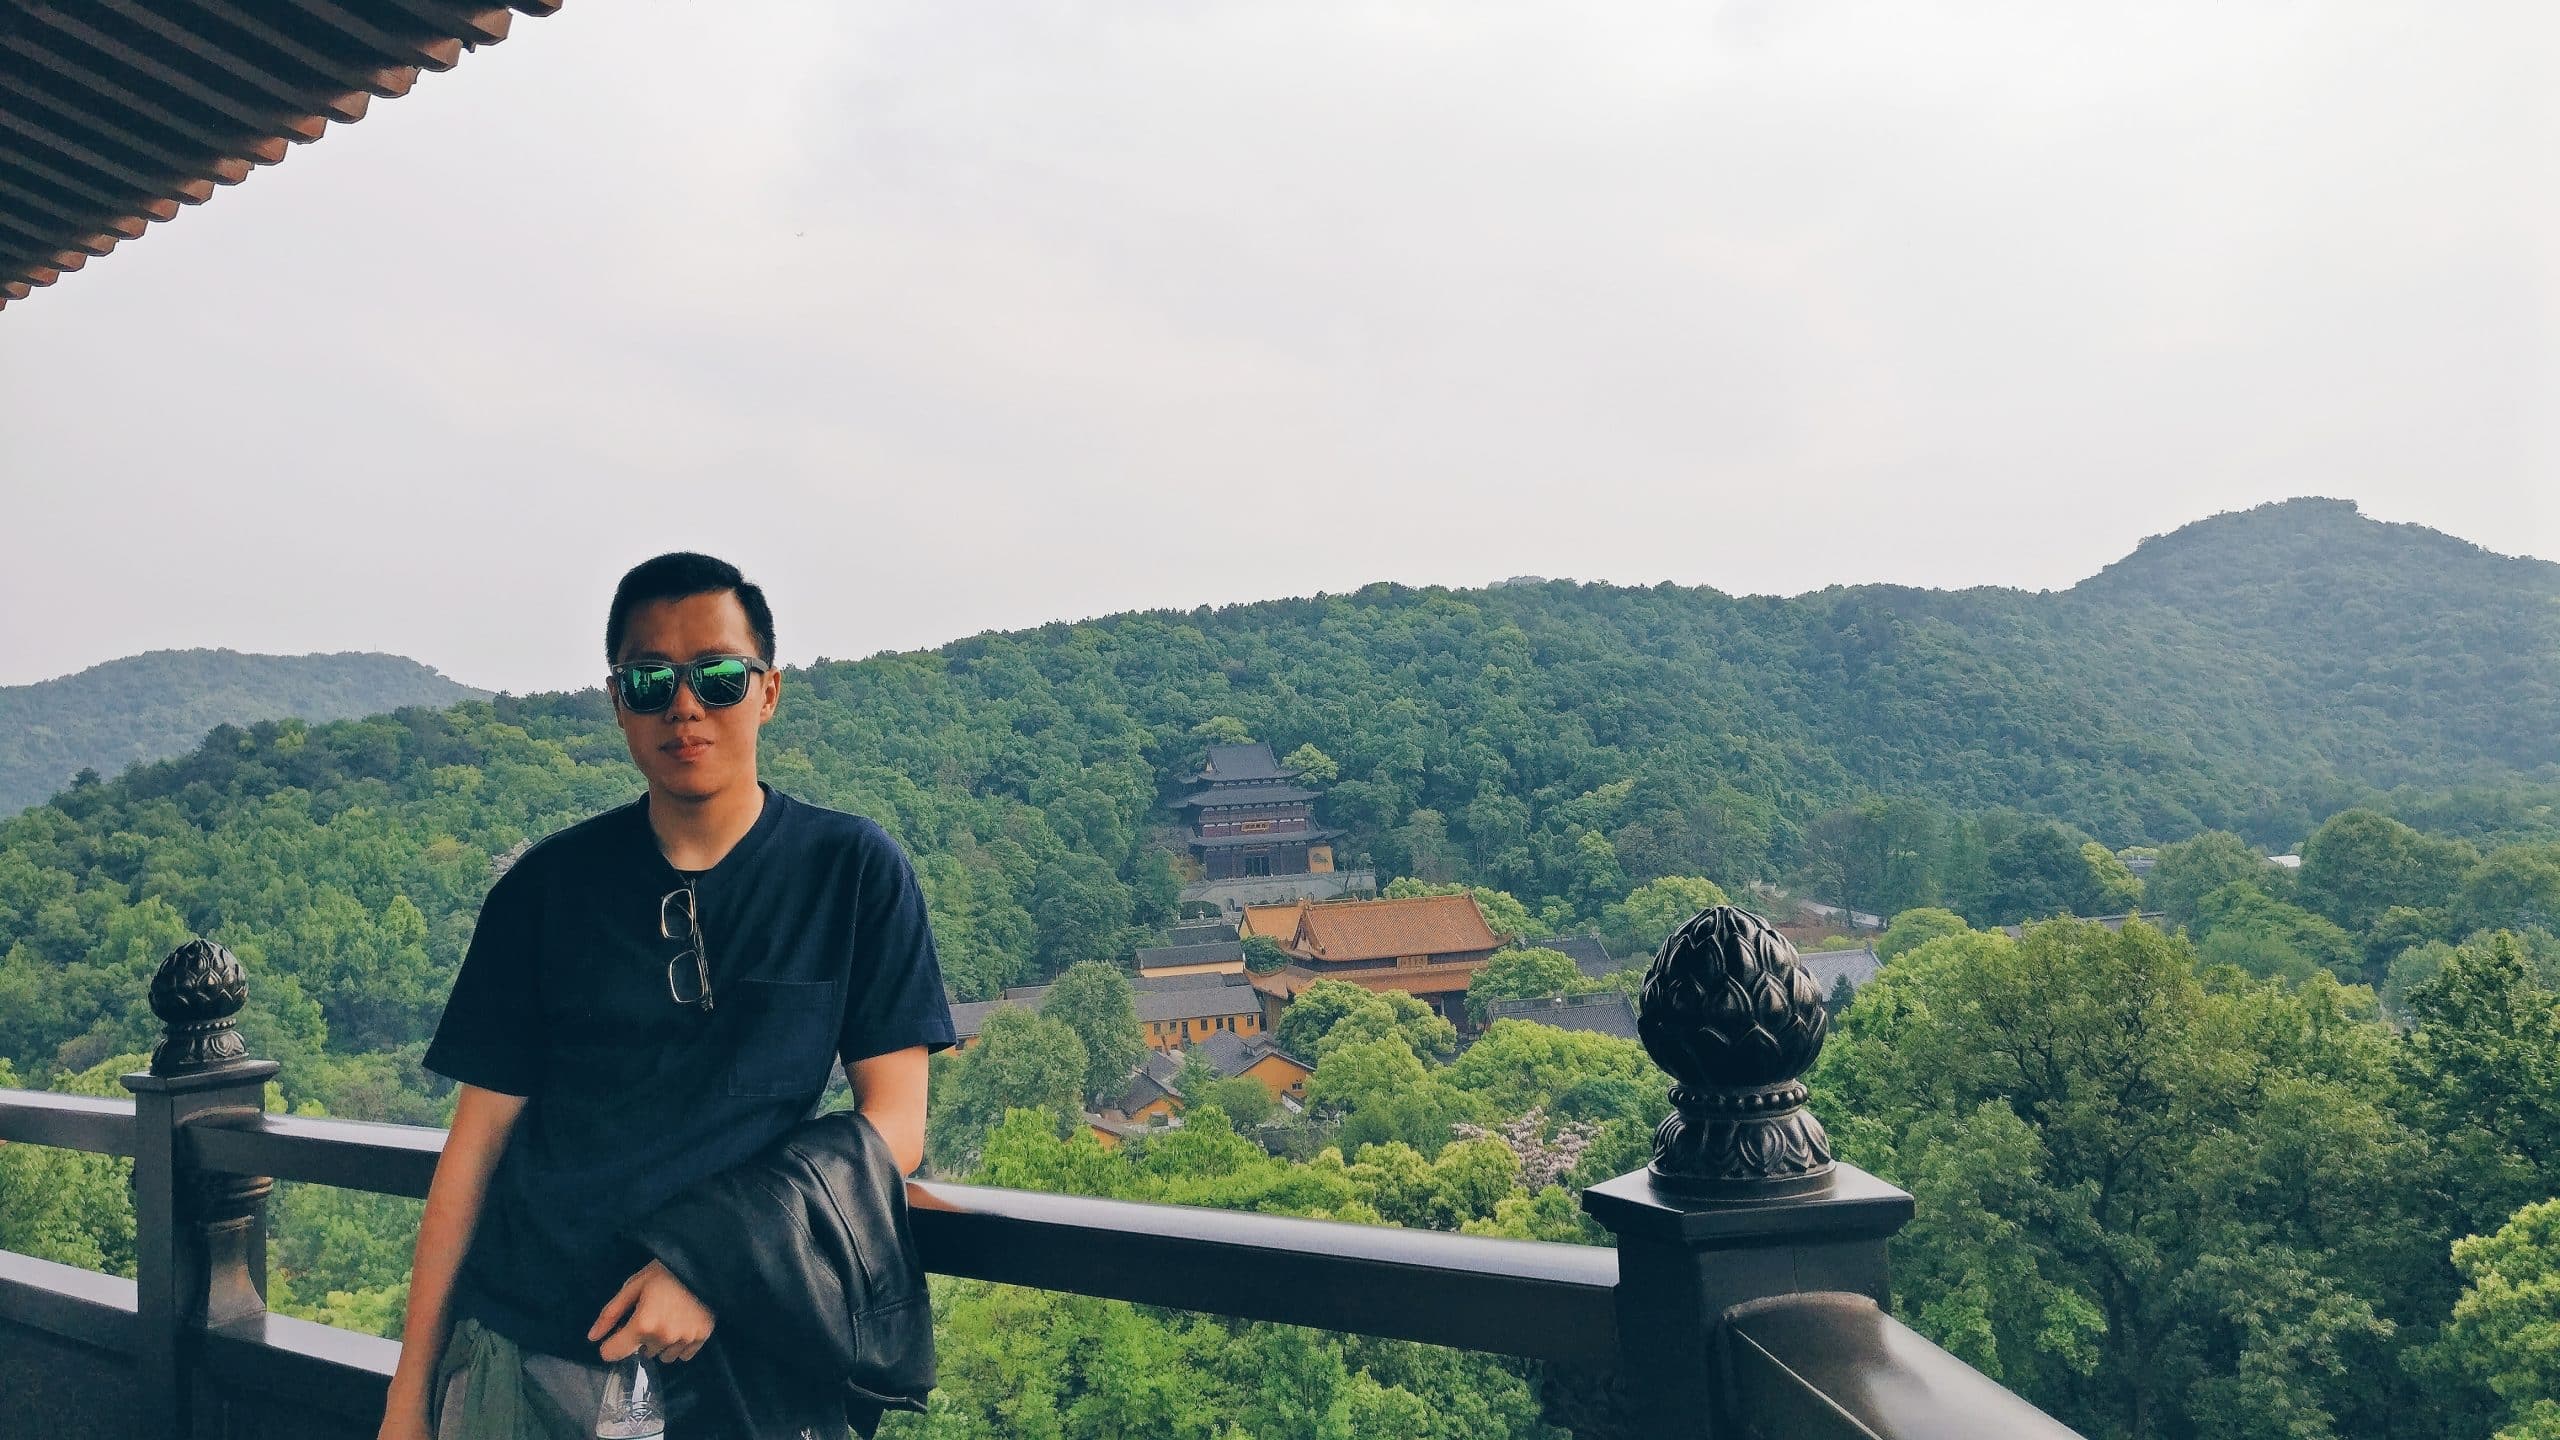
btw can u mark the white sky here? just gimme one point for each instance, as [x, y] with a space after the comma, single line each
[939, 318]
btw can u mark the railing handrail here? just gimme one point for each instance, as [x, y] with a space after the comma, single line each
[1824, 1363]
[91, 1123]
[1538, 1299]
[371, 1155]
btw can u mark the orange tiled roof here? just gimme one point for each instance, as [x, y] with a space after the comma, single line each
[1277, 921]
[1384, 929]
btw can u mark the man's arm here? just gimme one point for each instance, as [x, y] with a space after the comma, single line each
[656, 1312]
[889, 1090]
[482, 1121]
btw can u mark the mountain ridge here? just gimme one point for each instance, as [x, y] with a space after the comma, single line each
[2243, 671]
[160, 703]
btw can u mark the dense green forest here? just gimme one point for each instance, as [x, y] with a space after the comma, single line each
[2161, 1257]
[160, 703]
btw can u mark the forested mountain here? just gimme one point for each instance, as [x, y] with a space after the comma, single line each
[2388, 649]
[160, 703]
[1561, 742]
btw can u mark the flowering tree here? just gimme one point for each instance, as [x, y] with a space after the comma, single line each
[1543, 1162]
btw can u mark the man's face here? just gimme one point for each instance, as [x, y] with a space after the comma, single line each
[690, 749]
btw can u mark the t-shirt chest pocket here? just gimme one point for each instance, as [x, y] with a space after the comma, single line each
[784, 1040]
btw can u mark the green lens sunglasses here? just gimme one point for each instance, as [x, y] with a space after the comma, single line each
[718, 681]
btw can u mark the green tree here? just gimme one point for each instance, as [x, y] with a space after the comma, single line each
[1595, 873]
[1221, 730]
[1878, 854]
[1241, 1097]
[1313, 765]
[2506, 1326]
[2036, 874]
[2267, 938]
[1308, 1028]
[1469, 1178]
[2515, 888]
[2482, 1053]
[2111, 888]
[1384, 1093]
[1425, 1116]
[1396, 1179]
[1640, 923]
[1313, 1013]
[1362, 1073]
[2359, 864]
[1914, 928]
[1516, 1066]
[1522, 974]
[1093, 999]
[1193, 1076]
[1262, 954]
[1023, 1061]
[2398, 930]
[2194, 868]
[1421, 844]
[1083, 909]
[2150, 1204]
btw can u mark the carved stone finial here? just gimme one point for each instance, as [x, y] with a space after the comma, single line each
[1728, 1011]
[196, 992]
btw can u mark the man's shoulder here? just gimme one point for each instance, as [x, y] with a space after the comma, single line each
[827, 826]
[577, 844]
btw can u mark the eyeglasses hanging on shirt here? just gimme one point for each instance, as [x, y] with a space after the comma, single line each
[682, 903]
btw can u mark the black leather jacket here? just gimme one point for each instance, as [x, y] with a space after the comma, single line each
[805, 1257]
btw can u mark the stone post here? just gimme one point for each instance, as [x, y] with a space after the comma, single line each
[200, 1238]
[1743, 1200]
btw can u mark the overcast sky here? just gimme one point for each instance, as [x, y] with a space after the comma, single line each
[940, 318]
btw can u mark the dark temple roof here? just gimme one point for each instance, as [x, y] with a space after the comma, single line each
[1230, 763]
[113, 113]
[1231, 1054]
[1170, 997]
[1263, 837]
[1604, 1011]
[1246, 795]
[1587, 953]
[1204, 1003]
[1829, 967]
[1214, 952]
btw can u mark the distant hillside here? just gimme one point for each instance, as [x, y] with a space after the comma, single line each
[2250, 671]
[161, 703]
[1559, 741]
[2391, 648]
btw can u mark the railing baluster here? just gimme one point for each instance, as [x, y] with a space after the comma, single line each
[200, 1237]
[1743, 1200]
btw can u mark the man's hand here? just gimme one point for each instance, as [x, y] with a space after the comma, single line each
[666, 1321]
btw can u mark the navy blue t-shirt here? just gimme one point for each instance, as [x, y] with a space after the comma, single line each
[819, 952]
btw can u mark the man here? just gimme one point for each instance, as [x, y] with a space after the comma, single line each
[650, 996]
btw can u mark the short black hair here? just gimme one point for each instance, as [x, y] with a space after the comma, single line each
[675, 575]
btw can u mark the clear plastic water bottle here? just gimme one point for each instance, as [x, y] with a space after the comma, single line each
[635, 1402]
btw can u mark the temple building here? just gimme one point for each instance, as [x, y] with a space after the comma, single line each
[1172, 1010]
[1220, 955]
[1249, 819]
[1429, 946]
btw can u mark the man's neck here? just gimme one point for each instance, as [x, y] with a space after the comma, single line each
[695, 832]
